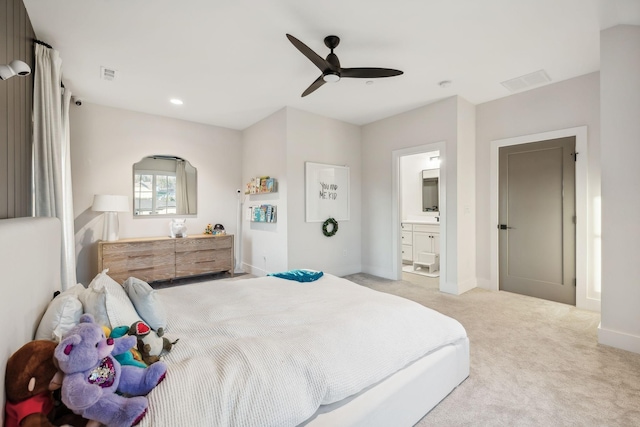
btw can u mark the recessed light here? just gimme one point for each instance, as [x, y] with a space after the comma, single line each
[176, 101]
[444, 84]
[369, 82]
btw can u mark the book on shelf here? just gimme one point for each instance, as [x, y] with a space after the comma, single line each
[263, 213]
[272, 185]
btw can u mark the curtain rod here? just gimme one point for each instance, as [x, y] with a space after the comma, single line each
[42, 43]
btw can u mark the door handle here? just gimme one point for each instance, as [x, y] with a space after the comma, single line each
[504, 227]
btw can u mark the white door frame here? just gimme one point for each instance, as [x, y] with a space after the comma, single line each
[582, 210]
[396, 236]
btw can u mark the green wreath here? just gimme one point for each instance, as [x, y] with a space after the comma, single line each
[334, 227]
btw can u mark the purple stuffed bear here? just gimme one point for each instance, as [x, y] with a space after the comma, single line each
[93, 376]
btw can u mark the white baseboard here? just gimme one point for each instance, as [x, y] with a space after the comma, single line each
[486, 284]
[591, 304]
[379, 272]
[347, 270]
[253, 270]
[619, 339]
[467, 285]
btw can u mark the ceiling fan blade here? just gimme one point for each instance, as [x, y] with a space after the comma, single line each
[306, 51]
[369, 73]
[315, 85]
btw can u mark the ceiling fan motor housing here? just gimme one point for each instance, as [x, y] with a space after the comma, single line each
[332, 74]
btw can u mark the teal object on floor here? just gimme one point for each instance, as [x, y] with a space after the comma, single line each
[299, 275]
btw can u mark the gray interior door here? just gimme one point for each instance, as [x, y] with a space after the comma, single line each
[537, 219]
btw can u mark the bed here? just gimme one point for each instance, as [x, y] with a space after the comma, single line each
[266, 351]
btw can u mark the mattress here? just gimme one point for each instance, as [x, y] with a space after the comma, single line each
[271, 352]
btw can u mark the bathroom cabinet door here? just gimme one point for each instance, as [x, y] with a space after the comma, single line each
[422, 242]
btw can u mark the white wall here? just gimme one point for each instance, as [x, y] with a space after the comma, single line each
[620, 114]
[106, 142]
[466, 193]
[317, 139]
[279, 146]
[429, 124]
[264, 245]
[563, 105]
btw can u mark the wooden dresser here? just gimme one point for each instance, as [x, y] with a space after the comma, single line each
[164, 258]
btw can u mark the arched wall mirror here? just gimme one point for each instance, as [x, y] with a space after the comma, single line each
[164, 185]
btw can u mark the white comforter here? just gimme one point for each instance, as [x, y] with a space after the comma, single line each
[268, 352]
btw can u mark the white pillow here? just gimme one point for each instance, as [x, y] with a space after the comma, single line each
[145, 300]
[62, 314]
[108, 302]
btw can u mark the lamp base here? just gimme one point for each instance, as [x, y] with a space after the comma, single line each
[111, 225]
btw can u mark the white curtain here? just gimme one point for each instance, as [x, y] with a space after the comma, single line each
[182, 193]
[51, 154]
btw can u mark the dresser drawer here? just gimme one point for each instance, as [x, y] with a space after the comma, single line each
[125, 249]
[203, 243]
[133, 262]
[150, 274]
[190, 263]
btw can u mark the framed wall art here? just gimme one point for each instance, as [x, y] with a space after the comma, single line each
[326, 192]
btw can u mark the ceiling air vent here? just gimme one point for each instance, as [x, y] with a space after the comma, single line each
[533, 79]
[108, 73]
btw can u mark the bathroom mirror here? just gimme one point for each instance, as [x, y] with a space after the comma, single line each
[430, 193]
[164, 185]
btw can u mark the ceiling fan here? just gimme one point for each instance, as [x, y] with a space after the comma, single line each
[330, 67]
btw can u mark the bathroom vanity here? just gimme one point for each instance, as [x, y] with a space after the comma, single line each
[420, 242]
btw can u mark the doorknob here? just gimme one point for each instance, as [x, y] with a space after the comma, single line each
[504, 227]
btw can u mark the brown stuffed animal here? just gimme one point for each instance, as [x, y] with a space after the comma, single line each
[29, 383]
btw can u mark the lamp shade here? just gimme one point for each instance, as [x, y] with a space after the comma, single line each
[110, 203]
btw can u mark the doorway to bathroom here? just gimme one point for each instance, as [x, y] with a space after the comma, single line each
[418, 214]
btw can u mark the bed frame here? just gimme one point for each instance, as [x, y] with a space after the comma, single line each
[403, 398]
[30, 266]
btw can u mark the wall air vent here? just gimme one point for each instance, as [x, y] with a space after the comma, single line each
[527, 81]
[108, 74]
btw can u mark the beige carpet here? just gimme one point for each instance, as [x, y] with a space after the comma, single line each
[533, 362]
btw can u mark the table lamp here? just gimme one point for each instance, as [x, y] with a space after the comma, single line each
[110, 205]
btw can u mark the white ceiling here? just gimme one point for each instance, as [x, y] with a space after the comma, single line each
[232, 65]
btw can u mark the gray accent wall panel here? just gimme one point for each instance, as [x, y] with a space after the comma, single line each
[16, 105]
